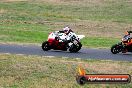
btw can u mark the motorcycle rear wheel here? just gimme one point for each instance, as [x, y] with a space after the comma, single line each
[74, 48]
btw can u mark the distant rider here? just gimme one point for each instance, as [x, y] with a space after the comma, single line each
[129, 41]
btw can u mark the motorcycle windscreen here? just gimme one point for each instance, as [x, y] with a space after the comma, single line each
[51, 36]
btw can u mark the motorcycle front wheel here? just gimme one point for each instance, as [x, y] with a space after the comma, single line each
[45, 46]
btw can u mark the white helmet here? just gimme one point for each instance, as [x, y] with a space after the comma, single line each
[66, 30]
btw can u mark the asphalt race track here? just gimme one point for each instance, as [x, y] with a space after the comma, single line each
[84, 53]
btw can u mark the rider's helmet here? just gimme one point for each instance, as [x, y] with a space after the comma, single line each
[127, 33]
[126, 38]
[67, 30]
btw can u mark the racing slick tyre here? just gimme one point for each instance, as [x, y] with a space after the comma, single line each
[45, 46]
[75, 48]
[114, 49]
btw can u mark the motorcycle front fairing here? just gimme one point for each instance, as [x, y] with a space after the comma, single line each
[125, 40]
[58, 43]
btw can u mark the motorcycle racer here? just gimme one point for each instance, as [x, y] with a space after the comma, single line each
[64, 35]
[129, 43]
[68, 33]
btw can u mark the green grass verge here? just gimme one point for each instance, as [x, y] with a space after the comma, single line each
[118, 10]
[26, 21]
[99, 42]
[28, 33]
[19, 71]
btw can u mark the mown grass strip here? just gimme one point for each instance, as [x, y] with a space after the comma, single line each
[18, 71]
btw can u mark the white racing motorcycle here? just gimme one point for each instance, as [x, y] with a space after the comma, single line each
[60, 43]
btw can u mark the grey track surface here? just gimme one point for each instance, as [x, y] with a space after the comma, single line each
[84, 53]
